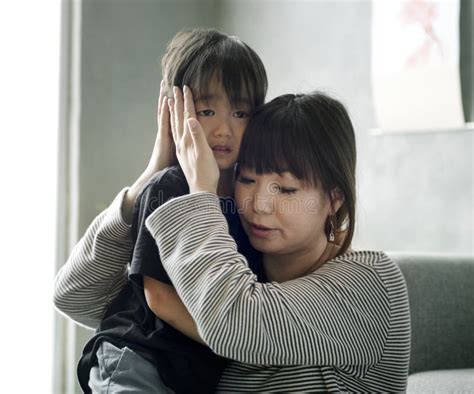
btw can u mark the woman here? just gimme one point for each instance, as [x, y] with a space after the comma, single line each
[330, 319]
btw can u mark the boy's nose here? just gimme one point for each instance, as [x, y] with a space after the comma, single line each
[223, 130]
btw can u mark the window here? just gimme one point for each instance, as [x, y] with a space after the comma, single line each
[30, 39]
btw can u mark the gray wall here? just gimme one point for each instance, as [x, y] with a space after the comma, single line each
[122, 44]
[415, 191]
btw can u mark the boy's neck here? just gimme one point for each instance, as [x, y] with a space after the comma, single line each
[225, 187]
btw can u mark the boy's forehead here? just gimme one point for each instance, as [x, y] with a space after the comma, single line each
[215, 91]
[213, 97]
[209, 97]
[212, 91]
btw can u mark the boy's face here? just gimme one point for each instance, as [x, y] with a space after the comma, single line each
[223, 123]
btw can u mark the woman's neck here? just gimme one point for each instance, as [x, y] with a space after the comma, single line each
[225, 187]
[282, 268]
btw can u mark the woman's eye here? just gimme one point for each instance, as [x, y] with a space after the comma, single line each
[274, 187]
[288, 191]
[241, 114]
[244, 180]
[205, 112]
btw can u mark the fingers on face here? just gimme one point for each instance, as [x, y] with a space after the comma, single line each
[172, 119]
[178, 111]
[160, 98]
[181, 108]
[189, 110]
[164, 112]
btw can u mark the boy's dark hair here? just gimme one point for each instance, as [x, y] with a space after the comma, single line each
[311, 136]
[195, 57]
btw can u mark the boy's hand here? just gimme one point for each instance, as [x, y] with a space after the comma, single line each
[192, 149]
[163, 155]
[165, 303]
[164, 151]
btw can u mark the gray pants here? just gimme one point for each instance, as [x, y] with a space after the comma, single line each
[124, 371]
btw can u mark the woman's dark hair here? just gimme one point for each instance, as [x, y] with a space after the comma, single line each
[311, 136]
[195, 57]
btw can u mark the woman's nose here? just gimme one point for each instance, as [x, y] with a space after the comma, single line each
[263, 203]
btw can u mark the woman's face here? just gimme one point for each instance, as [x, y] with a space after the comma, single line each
[279, 213]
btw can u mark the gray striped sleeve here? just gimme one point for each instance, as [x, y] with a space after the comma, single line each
[338, 315]
[96, 269]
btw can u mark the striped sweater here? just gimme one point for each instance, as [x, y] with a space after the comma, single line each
[344, 327]
[97, 268]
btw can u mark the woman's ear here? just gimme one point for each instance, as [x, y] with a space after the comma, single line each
[336, 200]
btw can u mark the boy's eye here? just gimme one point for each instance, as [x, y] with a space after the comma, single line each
[244, 180]
[241, 114]
[205, 112]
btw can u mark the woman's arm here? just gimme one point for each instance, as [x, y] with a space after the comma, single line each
[339, 315]
[165, 303]
[96, 269]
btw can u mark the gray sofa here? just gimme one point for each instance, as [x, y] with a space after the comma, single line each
[441, 294]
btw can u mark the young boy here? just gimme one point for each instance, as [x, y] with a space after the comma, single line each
[134, 350]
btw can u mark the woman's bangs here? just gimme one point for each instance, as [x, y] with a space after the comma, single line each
[262, 155]
[272, 145]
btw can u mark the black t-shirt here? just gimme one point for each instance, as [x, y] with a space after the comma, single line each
[184, 365]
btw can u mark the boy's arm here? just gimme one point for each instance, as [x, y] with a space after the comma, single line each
[96, 270]
[146, 268]
[145, 260]
[165, 303]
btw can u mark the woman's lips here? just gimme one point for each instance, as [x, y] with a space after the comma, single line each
[260, 231]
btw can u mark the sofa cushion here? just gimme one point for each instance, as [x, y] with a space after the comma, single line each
[441, 296]
[442, 381]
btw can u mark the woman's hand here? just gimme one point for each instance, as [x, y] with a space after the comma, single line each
[163, 155]
[192, 150]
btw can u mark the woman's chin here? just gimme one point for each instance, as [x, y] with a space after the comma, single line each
[264, 245]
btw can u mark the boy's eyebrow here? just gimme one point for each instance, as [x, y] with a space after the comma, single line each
[210, 97]
[244, 100]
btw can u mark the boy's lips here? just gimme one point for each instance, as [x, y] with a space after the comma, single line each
[222, 149]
